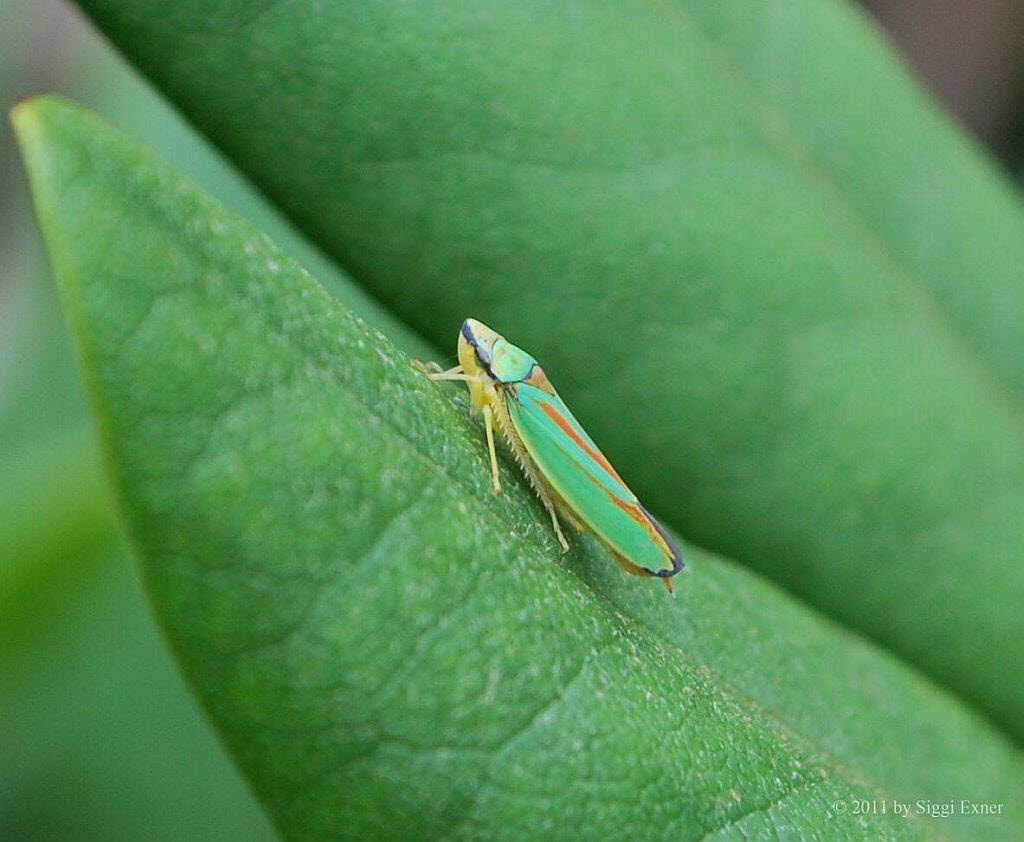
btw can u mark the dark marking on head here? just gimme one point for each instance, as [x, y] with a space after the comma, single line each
[481, 355]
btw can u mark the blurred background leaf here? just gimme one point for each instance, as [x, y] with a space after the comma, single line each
[390, 650]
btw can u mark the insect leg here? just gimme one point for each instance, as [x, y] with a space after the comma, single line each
[427, 368]
[489, 428]
[554, 523]
[541, 490]
[455, 373]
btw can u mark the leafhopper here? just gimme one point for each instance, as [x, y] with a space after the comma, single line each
[571, 476]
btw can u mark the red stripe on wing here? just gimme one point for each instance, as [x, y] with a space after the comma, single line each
[567, 428]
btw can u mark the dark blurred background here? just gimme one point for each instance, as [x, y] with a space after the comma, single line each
[970, 54]
[99, 738]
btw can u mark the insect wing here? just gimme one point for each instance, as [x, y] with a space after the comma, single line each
[579, 473]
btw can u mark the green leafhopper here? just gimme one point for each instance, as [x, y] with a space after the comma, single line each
[571, 476]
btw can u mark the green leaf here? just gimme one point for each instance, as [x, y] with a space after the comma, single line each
[738, 221]
[100, 740]
[390, 651]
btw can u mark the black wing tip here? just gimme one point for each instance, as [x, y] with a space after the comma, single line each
[677, 554]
